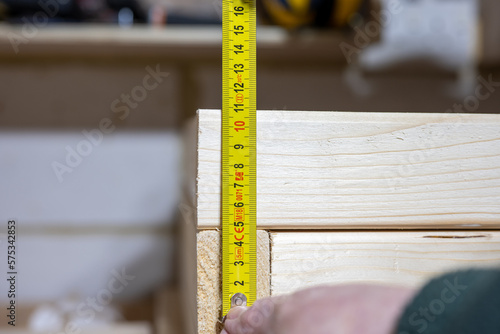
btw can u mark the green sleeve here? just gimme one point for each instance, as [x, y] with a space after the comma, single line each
[456, 303]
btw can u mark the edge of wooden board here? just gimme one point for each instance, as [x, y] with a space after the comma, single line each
[209, 289]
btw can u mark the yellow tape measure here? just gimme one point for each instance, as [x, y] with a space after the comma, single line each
[239, 212]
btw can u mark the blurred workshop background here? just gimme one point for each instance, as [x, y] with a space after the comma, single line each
[94, 95]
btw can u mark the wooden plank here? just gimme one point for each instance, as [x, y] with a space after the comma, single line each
[209, 281]
[187, 264]
[201, 278]
[188, 230]
[363, 170]
[209, 302]
[303, 259]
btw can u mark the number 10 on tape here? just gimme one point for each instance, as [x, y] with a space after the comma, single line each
[239, 212]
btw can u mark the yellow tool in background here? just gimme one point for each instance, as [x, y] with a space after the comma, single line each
[239, 212]
[294, 14]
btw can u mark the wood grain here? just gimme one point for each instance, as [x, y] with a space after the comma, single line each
[363, 170]
[201, 281]
[303, 259]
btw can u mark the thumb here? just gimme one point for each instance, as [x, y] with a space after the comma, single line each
[233, 314]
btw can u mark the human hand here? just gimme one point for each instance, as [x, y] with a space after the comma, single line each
[344, 309]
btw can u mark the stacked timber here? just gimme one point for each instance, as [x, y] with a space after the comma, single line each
[345, 197]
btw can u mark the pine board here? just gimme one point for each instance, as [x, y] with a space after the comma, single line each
[321, 170]
[303, 259]
[201, 279]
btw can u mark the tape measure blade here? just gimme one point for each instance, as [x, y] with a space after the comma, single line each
[239, 211]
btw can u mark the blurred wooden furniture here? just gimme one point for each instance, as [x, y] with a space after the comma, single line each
[68, 77]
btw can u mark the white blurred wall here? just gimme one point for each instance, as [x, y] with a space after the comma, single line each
[113, 211]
